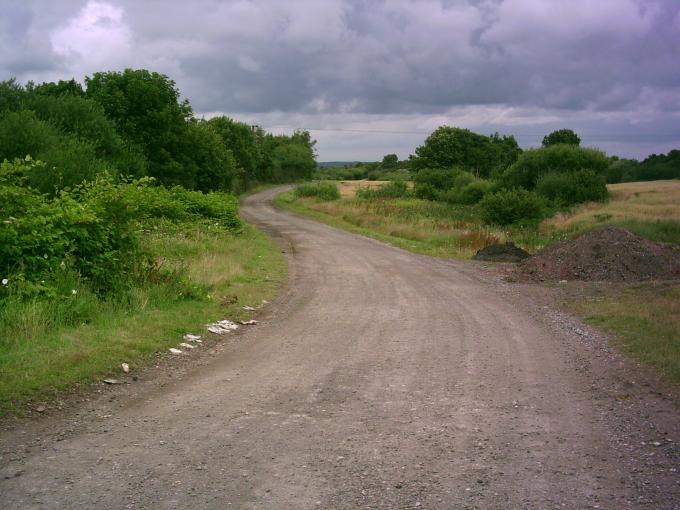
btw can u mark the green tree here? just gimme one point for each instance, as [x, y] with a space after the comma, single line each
[210, 164]
[242, 140]
[561, 136]
[449, 147]
[147, 111]
[390, 161]
[561, 158]
[61, 88]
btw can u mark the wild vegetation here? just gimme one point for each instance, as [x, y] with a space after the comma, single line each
[465, 192]
[116, 205]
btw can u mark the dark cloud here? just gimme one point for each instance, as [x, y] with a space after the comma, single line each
[600, 65]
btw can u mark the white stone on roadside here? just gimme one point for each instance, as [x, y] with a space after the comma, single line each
[125, 367]
[192, 338]
[187, 346]
[111, 381]
[251, 322]
[175, 351]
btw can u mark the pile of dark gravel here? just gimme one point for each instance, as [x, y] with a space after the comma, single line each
[609, 254]
[507, 252]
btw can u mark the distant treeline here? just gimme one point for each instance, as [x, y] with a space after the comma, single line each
[489, 156]
[133, 124]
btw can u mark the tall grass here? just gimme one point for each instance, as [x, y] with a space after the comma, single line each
[323, 191]
[47, 346]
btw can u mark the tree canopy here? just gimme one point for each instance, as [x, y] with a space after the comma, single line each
[561, 136]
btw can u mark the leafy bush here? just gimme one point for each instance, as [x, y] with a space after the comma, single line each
[439, 178]
[324, 191]
[533, 163]
[91, 232]
[567, 189]
[512, 206]
[468, 194]
[394, 189]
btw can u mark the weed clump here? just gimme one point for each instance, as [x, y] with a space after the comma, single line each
[512, 206]
[322, 191]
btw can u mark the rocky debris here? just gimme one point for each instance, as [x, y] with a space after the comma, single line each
[507, 252]
[251, 322]
[175, 351]
[610, 254]
[187, 346]
[222, 327]
[193, 338]
[111, 381]
[125, 367]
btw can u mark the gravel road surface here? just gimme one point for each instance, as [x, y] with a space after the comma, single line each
[379, 379]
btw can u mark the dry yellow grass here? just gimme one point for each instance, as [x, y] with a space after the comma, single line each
[652, 200]
[349, 188]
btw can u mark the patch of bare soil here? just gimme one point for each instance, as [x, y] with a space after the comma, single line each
[610, 254]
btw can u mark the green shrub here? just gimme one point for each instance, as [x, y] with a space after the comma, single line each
[512, 206]
[529, 167]
[394, 189]
[565, 189]
[474, 192]
[324, 191]
[439, 178]
[91, 231]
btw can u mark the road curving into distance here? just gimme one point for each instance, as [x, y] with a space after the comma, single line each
[379, 379]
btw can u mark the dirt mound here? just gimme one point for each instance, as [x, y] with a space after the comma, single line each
[609, 254]
[507, 252]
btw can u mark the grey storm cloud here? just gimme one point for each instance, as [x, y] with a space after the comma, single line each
[490, 63]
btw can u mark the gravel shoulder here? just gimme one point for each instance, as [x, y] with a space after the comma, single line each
[378, 379]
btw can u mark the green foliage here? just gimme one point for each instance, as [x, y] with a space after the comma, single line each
[449, 147]
[430, 182]
[566, 189]
[91, 231]
[352, 173]
[533, 163]
[323, 191]
[505, 207]
[468, 193]
[292, 160]
[61, 88]
[146, 109]
[654, 167]
[68, 159]
[561, 136]
[389, 175]
[242, 141]
[86, 120]
[394, 189]
[208, 161]
[390, 162]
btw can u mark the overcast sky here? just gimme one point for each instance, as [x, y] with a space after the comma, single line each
[371, 77]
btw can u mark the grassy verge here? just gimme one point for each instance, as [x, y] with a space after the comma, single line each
[456, 231]
[421, 226]
[213, 274]
[644, 320]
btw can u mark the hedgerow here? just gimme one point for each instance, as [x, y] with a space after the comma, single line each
[91, 231]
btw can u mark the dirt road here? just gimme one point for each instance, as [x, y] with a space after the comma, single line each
[380, 379]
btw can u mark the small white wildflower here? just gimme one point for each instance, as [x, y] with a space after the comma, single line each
[74, 292]
[44, 255]
[63, 264]
[5, 281]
